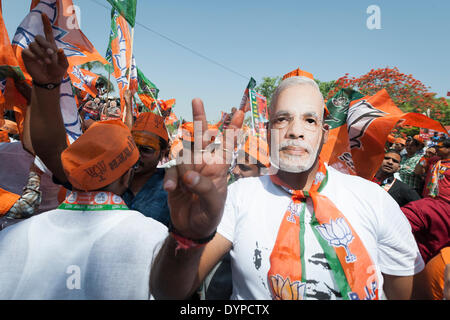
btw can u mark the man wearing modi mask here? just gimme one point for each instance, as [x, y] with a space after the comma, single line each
[146, 193]
[305, 232]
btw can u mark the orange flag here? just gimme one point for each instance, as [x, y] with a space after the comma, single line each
[359, 130]
[10, 98]
[66, 31]
[84, 80]
[68, 37]
[119, 54]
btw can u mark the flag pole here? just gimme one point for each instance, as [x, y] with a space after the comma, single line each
[129, 73]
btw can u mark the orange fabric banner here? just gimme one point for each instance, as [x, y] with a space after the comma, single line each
[7, 200]
[357, 145]
[66, 31]
[84, 80]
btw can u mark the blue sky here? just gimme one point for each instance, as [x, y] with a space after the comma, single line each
[268, 38]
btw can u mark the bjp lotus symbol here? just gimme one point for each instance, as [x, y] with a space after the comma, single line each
[338, 234]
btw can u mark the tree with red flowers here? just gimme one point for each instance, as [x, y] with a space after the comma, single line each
[408, 93]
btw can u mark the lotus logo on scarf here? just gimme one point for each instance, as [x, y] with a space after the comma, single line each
[359, 117]
[283, 289]
[338, 234]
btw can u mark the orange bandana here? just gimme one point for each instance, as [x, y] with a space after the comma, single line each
[349, 260]
[151, 122]
[100, 156]
[146, 139]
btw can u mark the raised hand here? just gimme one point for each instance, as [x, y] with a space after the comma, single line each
[197, 192]
[43, 60]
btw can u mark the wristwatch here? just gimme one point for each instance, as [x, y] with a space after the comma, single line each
[48, 86]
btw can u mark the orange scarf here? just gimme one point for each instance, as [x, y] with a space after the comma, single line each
[351, 265]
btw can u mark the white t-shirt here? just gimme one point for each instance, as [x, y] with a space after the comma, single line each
[65, 254]
[253, 212]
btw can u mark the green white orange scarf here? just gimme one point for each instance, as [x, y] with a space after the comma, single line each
[93, 201]
[351, 265]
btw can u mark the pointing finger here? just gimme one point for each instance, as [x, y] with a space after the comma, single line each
[48, 30]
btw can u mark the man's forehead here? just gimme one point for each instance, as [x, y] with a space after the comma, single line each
[392, 155]
[298, 109]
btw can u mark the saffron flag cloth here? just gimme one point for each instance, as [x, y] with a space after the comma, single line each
[34, 3]
[68, 37]
[343, 249]
[84, 80]
[171, 120]
[119, 56]
[126, 8]
[359, 128]
[147, 90]
[298, 73]
[245, 102]
[10, 71]
[7, 200]
[66, 32]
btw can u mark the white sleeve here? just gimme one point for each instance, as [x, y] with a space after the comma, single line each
[398, 253]
[227, 224]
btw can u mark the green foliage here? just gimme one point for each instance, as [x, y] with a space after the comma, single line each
[267, 87]
[325, 86]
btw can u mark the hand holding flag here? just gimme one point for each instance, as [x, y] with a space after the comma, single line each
[43, 60]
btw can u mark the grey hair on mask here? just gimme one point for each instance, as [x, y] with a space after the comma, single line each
[290, 82]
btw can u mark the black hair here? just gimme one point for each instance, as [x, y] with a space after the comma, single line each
[393, 151]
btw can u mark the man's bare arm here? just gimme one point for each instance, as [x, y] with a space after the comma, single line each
[398, 287]
[47, 64]
[177, 274]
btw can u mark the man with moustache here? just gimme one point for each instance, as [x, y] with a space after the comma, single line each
[305, 232]
[400, 191]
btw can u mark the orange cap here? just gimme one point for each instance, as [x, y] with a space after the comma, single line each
[258, 149]
[298, 73]
[100, 156]
[151, 122]
[4, 136]
[390, 138]
[10, 127]
[400, 140]
[418, 138]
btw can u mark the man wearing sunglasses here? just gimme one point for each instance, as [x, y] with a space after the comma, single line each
[400, 191]
[146, 193]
